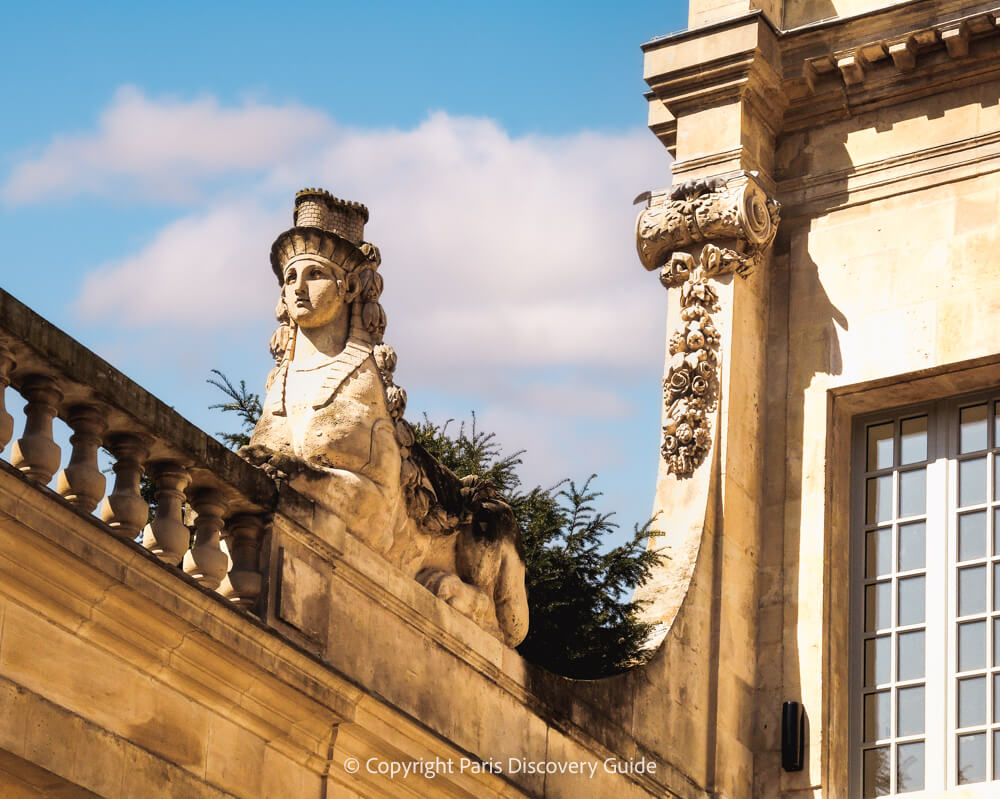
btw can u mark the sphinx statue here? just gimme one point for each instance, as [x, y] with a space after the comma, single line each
[332, 427]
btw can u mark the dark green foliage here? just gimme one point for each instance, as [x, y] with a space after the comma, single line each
[580, 625]
[245, 404]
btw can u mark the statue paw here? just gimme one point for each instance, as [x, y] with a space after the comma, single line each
[277, 465]
[257, 454]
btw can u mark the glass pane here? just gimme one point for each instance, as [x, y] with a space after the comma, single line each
[972, 702]
[996, 755]
[971, 645]
[877, 601]
[996, 698]
[972, 436]
[913, 440]
[878, 552]
[880, 446]
[996, 583]
[996, 644]
[877, 667]
[910, 663]
[910, 767]
[912, 492]
[972, 535]
[971, 590]
[910, 710]
[877, 715]
[879, 499]
[996, 425]
[971, 758]
[911, 600]
[996, 477]
[912, 546]
[971, 481]
[876, 769]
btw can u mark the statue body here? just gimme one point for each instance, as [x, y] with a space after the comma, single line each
[332, 427]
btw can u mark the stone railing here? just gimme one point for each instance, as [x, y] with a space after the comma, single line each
[210, 508]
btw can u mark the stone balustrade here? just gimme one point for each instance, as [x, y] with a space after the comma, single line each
[192, 476]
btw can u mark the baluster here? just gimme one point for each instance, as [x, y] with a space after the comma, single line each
[244, 535]
[7, 365]
[35, 453]
[205, 561]
[166, 536]
[124, 509]
[82, 481]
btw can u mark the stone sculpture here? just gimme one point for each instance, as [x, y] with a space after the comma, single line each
[333, 428]
[701, 230]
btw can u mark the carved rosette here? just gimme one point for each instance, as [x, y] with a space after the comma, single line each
[701, 230]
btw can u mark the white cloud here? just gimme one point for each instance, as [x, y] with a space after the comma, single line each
[203, 271]
[164, 148]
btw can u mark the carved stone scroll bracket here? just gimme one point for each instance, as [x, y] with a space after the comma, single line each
[700, 230]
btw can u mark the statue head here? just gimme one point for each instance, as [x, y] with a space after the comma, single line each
[326, 270]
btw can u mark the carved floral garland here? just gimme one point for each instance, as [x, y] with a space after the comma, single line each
[691, 387]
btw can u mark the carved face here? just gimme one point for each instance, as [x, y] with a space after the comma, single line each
[314, 291]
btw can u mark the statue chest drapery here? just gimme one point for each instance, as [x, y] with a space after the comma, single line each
[333, 416]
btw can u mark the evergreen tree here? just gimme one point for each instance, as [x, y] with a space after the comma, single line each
[581, 624]
[244, 403]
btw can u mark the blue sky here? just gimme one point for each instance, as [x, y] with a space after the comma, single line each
[149, 155]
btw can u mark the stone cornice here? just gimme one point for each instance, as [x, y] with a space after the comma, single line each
[823, 71]
[682, 81]
[841, 76]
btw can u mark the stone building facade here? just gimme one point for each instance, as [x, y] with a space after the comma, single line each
[829, 492]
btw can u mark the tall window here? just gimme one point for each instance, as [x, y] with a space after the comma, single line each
[925, 709]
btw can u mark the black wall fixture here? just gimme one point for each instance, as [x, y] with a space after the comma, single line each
[793, 736]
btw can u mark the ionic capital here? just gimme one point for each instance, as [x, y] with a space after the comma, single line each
[734, 215]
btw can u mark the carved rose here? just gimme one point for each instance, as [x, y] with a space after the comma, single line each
[705, 369]
[680, 380]
[711, 258]
[699, 385]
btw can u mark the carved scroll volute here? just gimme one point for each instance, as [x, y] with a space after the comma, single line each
[124, 509]
[82, 481]
[723, 227]
[7, 365]
[35, 453]
[244, 535]
[735, 213]
[205, 561]
[166, 536]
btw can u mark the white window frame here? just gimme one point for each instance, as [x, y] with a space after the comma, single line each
[940, 616]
